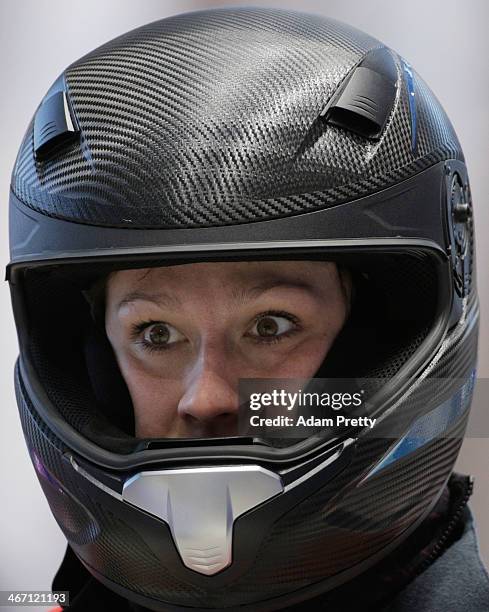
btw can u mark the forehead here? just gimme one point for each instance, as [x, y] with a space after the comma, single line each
[223, 275]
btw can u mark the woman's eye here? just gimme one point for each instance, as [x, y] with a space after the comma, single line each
[159, 335]
[270, 326]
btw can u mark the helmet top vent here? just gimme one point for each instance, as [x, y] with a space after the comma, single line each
[364, 101]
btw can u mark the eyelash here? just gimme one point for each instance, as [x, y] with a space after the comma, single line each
[138, 328]
[276, 339]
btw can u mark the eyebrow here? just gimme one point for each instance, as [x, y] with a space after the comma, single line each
[240, 295]
[243, 295]
[160, 299]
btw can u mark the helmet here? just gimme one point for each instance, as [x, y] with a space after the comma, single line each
[227, 136]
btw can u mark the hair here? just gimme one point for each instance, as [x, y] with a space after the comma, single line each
[96, 298]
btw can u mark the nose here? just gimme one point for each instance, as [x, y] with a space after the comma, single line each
[209, 404]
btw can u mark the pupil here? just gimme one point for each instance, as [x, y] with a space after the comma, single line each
[159, 334]
[267, 327]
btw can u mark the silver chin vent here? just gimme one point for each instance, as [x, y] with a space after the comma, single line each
[200, 506]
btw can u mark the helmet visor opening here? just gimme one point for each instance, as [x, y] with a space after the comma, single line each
[160, 354]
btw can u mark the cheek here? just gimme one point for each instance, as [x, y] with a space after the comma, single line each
[155, 400]
[305, 359]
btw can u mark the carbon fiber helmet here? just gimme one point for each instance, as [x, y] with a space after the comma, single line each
[228, 135]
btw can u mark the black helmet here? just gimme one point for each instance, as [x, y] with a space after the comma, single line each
[233, 135]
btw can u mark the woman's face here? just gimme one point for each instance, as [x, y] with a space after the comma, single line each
[184, 335]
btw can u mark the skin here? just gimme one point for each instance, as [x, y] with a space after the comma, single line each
[184, 335]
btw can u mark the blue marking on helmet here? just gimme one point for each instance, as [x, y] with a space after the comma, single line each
[408, 76]
[431, 425]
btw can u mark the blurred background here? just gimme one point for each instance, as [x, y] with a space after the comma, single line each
[446, 42]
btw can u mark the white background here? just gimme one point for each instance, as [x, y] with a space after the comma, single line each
[445, 40]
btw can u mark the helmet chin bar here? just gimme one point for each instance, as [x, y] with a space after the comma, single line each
[201, 505]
